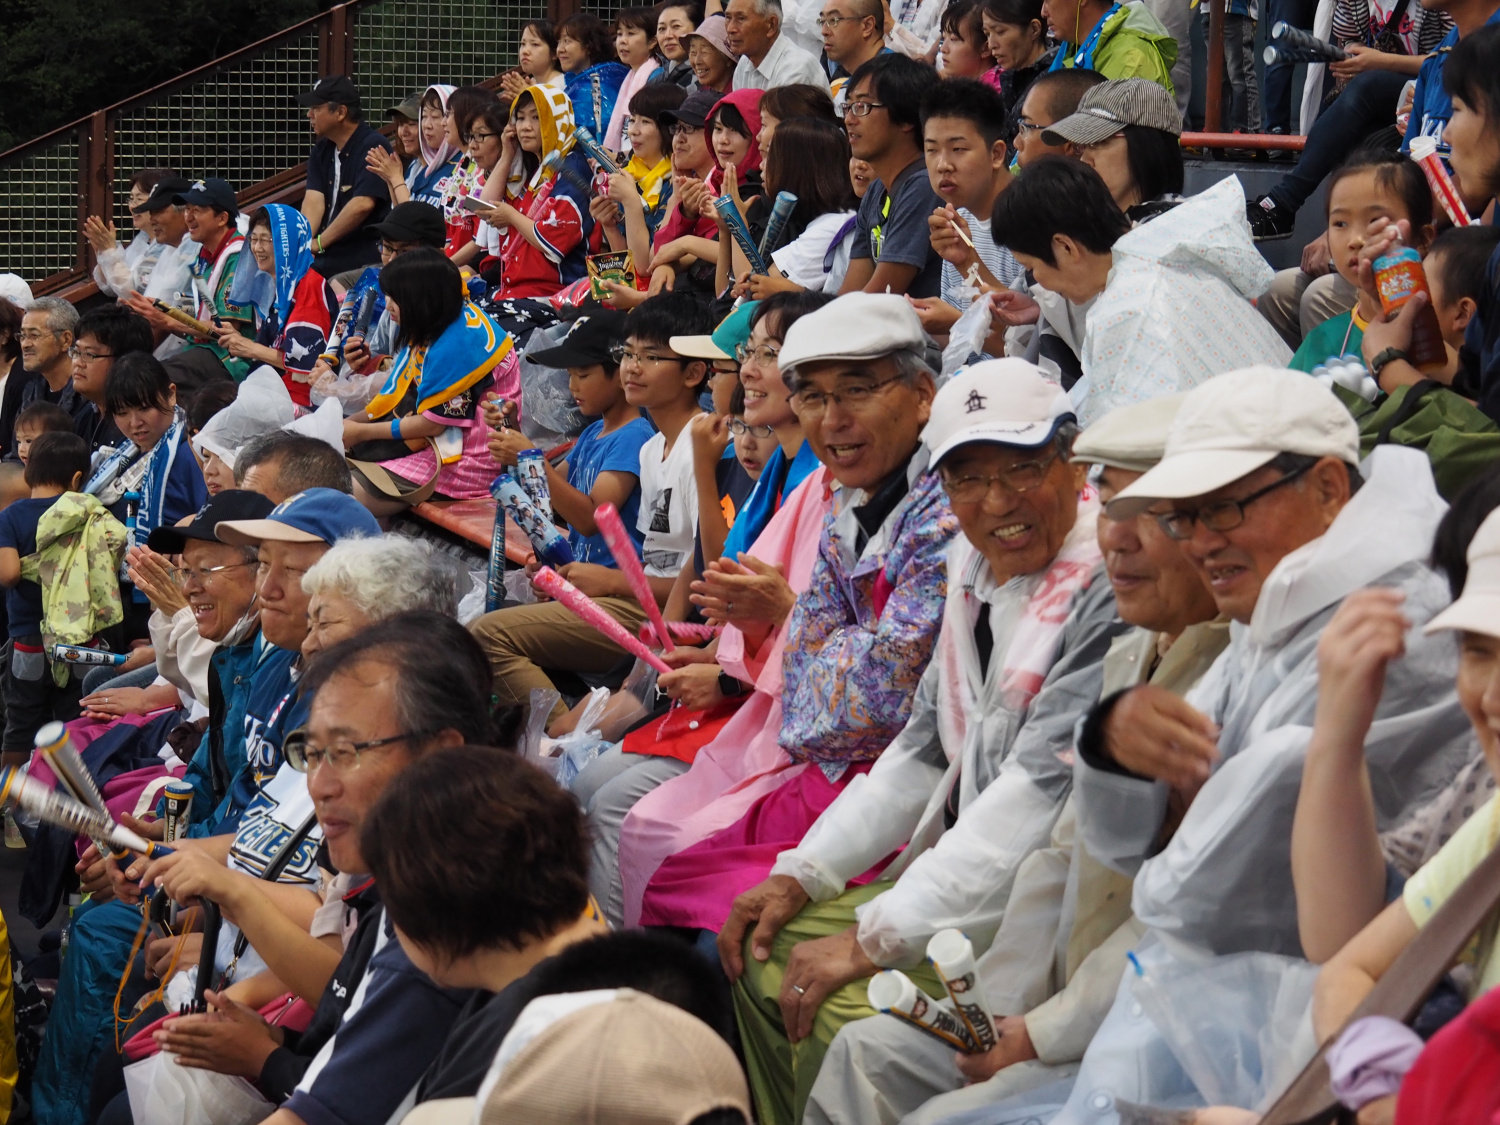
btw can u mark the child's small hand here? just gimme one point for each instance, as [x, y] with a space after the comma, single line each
[507, 445]
[710, 435]
[1381, 236]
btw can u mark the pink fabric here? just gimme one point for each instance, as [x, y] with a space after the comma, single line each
[744, 763]
[635, 82]
[469, 477]
[697, 886]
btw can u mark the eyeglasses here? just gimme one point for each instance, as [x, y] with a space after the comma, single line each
[681, 130]
[623, 355]
[265, 242]
[856, 398]
[31, 335]
[738, 426]
[392, 249]
[1018, 478]
[1028, 127]
[1222, 515]
[482, 136]
[201, 574]
[833, 21]
[764, 356]
[88, 356]
[341, 756]
[861, 109]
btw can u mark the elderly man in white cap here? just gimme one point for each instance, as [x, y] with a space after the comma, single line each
[1053, 968]
[858, 638]
[975, 781]
[1260, 486]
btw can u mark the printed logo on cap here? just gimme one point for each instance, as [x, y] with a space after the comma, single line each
[974, 403]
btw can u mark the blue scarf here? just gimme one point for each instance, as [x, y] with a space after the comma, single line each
[468, 349]
[152, 486]
[291, 249]
[1084, 58]
[777, 479]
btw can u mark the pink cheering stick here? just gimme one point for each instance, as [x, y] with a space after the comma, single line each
[1424, 151]
[612, 527]
[682, 631]
[587, 610]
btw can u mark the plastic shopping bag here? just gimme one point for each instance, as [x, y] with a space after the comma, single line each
[165, 1093]
[966, 337]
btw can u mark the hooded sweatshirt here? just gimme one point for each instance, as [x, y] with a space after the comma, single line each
[1177, 307]
[747, 173]
[556, 198]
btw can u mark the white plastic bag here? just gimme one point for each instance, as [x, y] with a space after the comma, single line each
[261, 404]
[633, 702]
[326, 423]
[548, 413]
[534, 736]
[350, 389]
[583, 743]
[966, 337]
[164, 1093]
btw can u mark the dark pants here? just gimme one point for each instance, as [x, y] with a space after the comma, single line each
[32, 699]
[1367, 104]
[1278, 101]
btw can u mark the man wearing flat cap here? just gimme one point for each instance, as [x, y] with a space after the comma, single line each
[974, 781]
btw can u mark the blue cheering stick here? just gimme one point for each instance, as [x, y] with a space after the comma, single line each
[740, 233]
[781, 211]
[594, 150]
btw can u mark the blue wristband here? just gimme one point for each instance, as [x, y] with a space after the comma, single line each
[396, 428]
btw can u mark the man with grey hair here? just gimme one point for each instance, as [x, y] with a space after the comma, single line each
[767, 57]
[280, 464]
[47, 337]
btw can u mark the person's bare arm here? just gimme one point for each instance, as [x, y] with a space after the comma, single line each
[313, 207]
[891, 278]
[857, 278]
[1349, 976]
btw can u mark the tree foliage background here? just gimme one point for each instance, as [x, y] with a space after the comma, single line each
[63, 59]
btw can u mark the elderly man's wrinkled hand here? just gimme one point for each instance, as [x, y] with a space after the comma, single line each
[1154, 733]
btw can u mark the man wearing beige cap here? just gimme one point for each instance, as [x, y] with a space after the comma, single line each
[1260, 487]
[1061, 946]
[974, 781]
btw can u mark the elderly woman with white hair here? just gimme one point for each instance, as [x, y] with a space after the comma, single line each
[365, 580]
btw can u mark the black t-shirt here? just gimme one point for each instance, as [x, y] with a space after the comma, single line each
[340, 175]
[97, 429]
[470, 1050]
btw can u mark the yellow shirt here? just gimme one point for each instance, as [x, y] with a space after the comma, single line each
[1431, 886]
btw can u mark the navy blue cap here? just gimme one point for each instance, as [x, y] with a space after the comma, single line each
[231, 504]
[318, 515]
[212, 192]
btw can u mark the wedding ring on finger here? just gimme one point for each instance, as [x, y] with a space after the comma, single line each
[799, 990]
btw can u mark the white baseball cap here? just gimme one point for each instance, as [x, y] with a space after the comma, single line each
[1001, 401]
[854, 326]
[1236, 423]
[1130, 437]
[1478, 607]
[15, 290]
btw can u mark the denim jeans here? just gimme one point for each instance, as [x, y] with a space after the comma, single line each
[1298, 13]
[1368, 103]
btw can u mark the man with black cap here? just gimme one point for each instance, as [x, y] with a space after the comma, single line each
[344, 198]
[209, 210]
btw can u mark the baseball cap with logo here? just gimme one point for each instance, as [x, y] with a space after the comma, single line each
[587, 343]
[318, 515]
[999, 401]
[1477, 609]
[231, 504]
[1236, 423]
[336, 89]
[1110, 106]
[212, 192]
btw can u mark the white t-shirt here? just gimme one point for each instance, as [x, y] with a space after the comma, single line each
[806, 260]
[668, 517]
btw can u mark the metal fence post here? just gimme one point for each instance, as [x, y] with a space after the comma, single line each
[1213, 102]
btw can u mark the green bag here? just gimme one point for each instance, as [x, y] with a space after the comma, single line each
[1460, 440]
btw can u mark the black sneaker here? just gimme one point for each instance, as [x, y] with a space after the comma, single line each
[1269, 220]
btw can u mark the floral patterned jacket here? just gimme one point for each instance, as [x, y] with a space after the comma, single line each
[861, 634]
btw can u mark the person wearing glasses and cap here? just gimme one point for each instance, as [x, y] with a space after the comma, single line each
[974, 781]
[1051, 973]
[1261, 486]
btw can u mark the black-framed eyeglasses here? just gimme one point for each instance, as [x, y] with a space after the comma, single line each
[621, 355]
[856, 398]
[1221, 515]
[1020, 477]
[88, 356]
[341, 756]
[861, 109]
[482, 136]
[738, 426]
[681, 130]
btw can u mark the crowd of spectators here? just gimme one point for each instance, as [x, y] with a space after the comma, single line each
[1071, 670]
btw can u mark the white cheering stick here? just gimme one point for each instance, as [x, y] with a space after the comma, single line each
[612, 527]
[58, 808]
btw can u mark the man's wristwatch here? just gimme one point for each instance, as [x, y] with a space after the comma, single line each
[729, 687]
[1381, 359]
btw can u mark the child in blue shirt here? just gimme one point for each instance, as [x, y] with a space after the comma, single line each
[604, 463]
[56, 463]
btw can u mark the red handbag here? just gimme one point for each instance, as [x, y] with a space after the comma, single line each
[288, 1011]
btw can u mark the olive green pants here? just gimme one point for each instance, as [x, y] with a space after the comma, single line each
[782, 1072]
